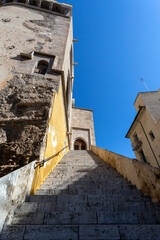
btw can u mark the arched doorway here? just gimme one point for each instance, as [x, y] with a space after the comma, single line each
[79, 144]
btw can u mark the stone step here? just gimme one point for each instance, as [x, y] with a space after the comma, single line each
[78, 176]
[54, 218]
[42, 206]
[124, 232]
[55, 198]
[134, 207]
[65, 198]
[78, 190]
[40, 232]
[92, 170]
[83, 198]
[68, 217]
[91, 191]
[82, 232]
[85, 183]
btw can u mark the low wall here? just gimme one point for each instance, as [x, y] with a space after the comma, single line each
[145, 177]
[14, 188]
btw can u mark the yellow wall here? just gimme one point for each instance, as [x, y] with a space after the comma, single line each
[56, 140]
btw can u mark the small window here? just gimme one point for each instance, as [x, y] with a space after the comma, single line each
[42, 67]
[151, 135]
[33, 2]
[142, 156]
[45, 5]
[136, 138]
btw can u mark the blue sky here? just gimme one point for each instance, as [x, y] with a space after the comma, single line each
[118, 43]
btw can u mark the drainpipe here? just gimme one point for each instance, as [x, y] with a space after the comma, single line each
[149, 143]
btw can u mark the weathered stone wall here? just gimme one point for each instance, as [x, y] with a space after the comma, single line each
[145, 177]
[26, 97]
[25, 106]
[26, 30]
[14, 188]
[82, 126]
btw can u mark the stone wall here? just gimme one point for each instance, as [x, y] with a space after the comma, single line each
[29, 34]
[152, 102]
[14, 189]
[82, 126]
[145, 177]
[25, 108]
[26, 30]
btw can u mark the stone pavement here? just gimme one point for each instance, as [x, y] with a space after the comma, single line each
[83, 198]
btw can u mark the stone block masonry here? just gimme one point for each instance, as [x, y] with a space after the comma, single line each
[25, 105]
[84, 198]
[143, 176]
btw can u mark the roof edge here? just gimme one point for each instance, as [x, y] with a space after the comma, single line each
[141, 110]
[83, 109]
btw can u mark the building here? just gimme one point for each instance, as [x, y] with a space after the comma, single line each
[83, 135]
[144, 132]
[36, 82]
[83, 197]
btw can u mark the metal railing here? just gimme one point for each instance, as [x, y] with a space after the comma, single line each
[41, 163]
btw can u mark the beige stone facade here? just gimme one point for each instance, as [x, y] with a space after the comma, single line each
[144, 132]
[36, 65]
[36, 68]
[82, 127]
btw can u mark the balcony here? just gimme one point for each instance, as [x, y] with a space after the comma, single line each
[136, 144]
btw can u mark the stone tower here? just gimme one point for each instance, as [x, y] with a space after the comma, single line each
[37, 119]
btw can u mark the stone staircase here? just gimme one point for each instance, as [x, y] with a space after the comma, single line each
[83, 198]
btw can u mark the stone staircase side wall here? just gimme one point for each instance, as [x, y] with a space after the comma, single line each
[14, 188]
[144, 176]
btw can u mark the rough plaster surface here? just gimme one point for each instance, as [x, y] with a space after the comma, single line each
[14, 188]
[25, 30]
[145, 177]
[25, 108]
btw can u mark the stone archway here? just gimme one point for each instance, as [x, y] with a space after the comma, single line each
[79, 144]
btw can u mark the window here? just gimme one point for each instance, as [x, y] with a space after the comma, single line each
[33, 2]
[151, 135]
[142, 156]
[42, 67]
[136, 139]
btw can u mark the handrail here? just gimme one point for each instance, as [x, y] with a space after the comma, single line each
[41, 163]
